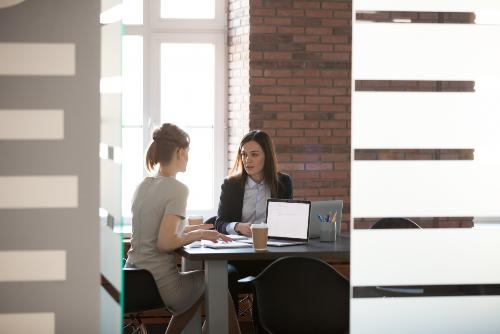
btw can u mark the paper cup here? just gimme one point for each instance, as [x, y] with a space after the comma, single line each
[259, 236]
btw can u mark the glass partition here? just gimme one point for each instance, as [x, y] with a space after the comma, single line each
[111, 156]
[427, 82]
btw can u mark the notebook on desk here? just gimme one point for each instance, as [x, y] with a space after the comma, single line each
[218, 245]
[287, 222]
[226, 245]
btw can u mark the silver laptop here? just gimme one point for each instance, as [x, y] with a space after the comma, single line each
[288, 222]
[324, 208]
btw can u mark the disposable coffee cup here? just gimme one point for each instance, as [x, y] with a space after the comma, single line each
[259, 236]
[195, 220]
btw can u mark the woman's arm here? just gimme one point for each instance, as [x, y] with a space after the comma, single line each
[190, 228]
[230, 205]
[169, 239]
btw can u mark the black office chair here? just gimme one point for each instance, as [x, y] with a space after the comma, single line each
[301, 295]
[387, 223]
[396, 223]
[140, 295]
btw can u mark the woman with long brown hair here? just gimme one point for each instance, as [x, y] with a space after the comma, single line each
[254, 178]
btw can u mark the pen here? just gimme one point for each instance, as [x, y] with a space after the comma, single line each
[327, 219]
[320, 218]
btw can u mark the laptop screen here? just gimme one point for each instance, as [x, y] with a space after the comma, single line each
[288, 218]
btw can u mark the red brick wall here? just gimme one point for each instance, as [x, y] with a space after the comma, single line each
[289, 74]
[300, 60]
[238, 74]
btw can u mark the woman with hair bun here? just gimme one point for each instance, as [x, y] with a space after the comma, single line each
[158, 212]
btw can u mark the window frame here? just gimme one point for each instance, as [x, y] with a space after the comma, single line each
[156, 31]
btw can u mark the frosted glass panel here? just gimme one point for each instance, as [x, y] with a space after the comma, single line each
[427, 5]
[425, 120]
[425, 51]
[111, 188]
[24, 266]
[46, 59]
[132, 85]
[188, 83]
[188, 9]
[457, 315]
[198, 176]
[424, 257]
[110, 314]
[111, 256]
[133, 12]
[28, 323]
[24, 124]
[111, 50]
[425, 189]
[107, 4]
[111, 119]
[38, 191]
[132, 166]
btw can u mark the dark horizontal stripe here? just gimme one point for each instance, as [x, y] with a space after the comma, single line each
[423, 222]
[426, 290]
[413, 86]
[414, 154]
[110, 289]
[416, 17]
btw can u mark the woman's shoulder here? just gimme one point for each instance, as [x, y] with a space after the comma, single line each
[283, 177]
[170, 184]
[233, 180]
[178, 185]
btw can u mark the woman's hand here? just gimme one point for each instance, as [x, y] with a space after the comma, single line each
[244, 228]
[214, 236]
[190, 228]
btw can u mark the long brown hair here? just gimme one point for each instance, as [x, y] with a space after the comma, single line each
[270, 161]
[166, 140]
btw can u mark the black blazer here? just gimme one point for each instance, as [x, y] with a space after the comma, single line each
[231, 200]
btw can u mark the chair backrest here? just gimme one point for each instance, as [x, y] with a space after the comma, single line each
[394, 223]
[141, 293]
[301, 295]
[210, 220]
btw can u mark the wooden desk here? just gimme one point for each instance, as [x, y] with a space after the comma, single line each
[216, 298]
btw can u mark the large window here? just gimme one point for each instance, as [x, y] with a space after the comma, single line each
[173, 66]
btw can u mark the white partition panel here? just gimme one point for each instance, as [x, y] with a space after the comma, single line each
[110, 163]
[111, 188]
[425, 189]
[37, 59]
[34, 192]
[111, 49]
[111, 314]
[443, 188]
[425, 51]
[33, 265]
[425, 257]
[111, 119]
[8, 3]
[111, 255]
[437, 315]
[422, 120]
[31, 124]
[28, 323]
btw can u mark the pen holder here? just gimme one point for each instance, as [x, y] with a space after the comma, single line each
[327, 232]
